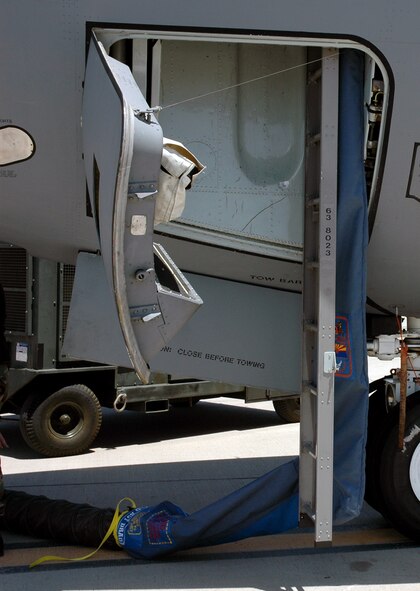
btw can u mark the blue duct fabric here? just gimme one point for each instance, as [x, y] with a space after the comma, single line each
[269, 504]
[351, 383]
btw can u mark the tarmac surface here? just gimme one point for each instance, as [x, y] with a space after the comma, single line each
[193, 457]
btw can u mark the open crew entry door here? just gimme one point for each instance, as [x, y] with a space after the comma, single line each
[130, 299]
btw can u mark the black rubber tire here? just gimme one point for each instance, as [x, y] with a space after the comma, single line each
[380, 422]
[26, 411]
[63, 424]
[288, 410]
[401, 503]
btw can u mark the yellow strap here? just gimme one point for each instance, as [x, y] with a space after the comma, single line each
[111, 530]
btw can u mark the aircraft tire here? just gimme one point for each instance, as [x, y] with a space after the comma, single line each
[380, 422]
[288, 410]
[400, 474]
[63, 424]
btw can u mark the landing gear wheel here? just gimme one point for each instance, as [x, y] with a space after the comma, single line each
[400, 475]
[288, 410]
[380, 422]
[65, 423]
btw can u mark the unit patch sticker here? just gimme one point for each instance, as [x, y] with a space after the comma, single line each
[343, 348]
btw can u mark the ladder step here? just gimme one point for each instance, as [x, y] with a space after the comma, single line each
[313, 390]
[312, 202]
[310, 389]
[311, 327]
[315, 76]
[308, 448]
[314, 139]
[312, 265]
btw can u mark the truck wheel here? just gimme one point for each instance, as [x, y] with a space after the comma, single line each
[29, 405]
[400, 475]
[63, 424]
[288, 410]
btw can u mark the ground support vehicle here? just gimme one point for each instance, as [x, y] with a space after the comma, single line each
[59, 400]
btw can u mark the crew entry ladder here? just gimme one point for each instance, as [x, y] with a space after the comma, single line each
[318, 351]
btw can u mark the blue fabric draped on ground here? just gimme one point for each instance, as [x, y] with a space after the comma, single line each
[269, 504]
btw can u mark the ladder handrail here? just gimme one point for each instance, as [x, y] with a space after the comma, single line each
[317, 404]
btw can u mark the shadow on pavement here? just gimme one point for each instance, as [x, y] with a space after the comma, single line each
[132, 427]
